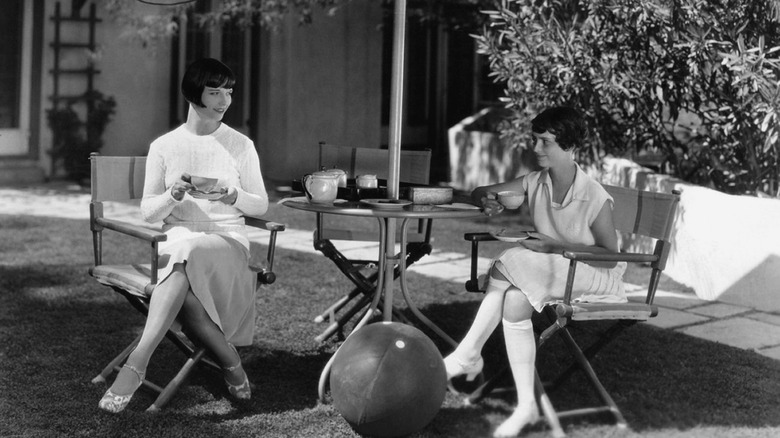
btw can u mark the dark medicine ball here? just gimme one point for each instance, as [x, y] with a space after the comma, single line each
[388, 379]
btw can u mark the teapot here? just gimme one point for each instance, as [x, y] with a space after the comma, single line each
[342, 175]
[321, 187]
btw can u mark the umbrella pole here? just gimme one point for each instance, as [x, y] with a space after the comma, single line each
[396, 99]
[394, 148]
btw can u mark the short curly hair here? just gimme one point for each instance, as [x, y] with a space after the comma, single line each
[205, 72]
[566, 123]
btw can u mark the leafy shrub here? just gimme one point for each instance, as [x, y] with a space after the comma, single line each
[74, 140]
[692, 81]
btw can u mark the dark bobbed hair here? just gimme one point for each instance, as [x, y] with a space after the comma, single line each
[566, 123]
[205, 72]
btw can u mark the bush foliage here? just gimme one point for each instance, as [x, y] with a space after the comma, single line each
[74, 140]
[693, 82]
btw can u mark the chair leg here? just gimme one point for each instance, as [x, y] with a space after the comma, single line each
[190, 351]
[611, 406]
[115, 363]
[363, 284]
[591, 351]
[547, 408]
[334, 326]
[177, 381]
[486, 388]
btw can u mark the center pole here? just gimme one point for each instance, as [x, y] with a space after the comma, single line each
[394, 149]
[396, 99]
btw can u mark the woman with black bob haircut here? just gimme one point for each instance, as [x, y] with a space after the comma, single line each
[210, 73]
[201, 179]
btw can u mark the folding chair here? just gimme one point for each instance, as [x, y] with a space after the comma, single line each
[638, 214]
[121, 179]
[414, 170]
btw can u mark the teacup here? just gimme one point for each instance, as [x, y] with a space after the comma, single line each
[366, 182]
[511, 199]
[202, 183]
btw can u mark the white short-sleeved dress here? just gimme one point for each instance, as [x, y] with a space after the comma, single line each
[542, 276]
[208, 237]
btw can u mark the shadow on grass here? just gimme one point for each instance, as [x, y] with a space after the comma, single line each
[59, 328]
[659, 378]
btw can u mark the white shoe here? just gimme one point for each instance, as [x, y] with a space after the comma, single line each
[455, 367]
[513, 425]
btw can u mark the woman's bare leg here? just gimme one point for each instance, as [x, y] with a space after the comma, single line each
[165, 303]
[203, 330]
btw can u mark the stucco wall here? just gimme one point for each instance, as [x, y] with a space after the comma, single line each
[324, 83]
[725, 247]
[136, 77]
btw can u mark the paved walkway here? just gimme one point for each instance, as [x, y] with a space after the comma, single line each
[738, 326]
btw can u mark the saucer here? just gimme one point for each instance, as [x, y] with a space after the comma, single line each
[510, 235]
[386, 204]
[197, 194]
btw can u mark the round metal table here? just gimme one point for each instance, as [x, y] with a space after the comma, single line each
[387, 215]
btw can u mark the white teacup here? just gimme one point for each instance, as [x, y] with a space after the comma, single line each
[367, 182]
[511, 199]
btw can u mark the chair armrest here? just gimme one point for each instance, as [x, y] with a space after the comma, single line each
[265, 274]
[478, 237]
[147, 234]
[472, 284]
[132, 230]
[584, 256]
[264, 224]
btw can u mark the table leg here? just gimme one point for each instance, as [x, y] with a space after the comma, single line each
[386, 258]
[407, 298]
[380, 284]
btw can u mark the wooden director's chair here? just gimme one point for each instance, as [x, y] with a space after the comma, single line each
[637, 214]
[414, 170]
[121, 179]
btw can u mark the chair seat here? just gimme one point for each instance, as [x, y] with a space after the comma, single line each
[597, 311]
[135, 279]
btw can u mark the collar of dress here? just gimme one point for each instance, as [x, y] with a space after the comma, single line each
[578, 190]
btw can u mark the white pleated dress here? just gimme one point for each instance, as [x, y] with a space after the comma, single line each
[542, 276]
[208, 237]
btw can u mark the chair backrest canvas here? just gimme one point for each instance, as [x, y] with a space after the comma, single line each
[415, 166]
[414, 169]
[117, 178]
[644, 213]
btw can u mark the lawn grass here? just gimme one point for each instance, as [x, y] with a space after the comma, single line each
[58, 328]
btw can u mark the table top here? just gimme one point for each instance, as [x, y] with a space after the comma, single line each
[357, 208]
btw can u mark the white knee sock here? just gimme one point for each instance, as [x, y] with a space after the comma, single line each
[485, 322]
[521, 351]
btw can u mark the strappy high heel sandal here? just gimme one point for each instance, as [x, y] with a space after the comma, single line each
[115, 403]
[244, 390]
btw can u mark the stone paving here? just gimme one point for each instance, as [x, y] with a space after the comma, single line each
[734, 325]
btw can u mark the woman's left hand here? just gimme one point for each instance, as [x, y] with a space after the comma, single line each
[229, 198]
[541, 242]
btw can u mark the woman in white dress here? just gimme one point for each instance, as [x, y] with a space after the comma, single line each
[570, 211]
[203, 275]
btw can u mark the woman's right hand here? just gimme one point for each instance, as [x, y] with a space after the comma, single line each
[181, 187]
[490, 205]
